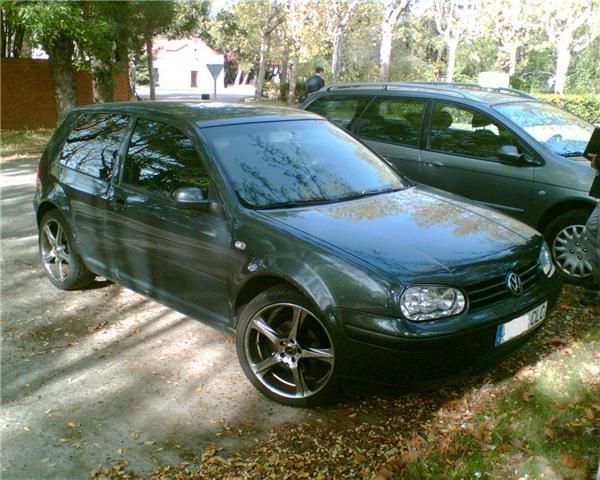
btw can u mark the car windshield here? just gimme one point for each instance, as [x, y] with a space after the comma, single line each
[560, 131]
[296, 163]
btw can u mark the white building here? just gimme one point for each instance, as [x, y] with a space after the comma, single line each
[182, 64]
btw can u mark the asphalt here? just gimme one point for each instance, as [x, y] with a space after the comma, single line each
[92, 377]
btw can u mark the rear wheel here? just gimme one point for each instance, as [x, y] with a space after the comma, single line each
[59, 254]
[286, 349]
[570, 251]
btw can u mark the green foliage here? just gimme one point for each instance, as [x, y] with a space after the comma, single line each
[584, 106]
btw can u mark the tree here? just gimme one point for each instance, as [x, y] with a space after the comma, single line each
[12, 33]
[57, 27]
[342, 12]
[572, 25]
[151, 19]
[298, 13]
[274, 18]
[393, 9]
[454, 19]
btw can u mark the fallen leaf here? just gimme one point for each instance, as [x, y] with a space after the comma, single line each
[72, 425]
[26, 429]
[589, 414]
[548, 432]
[557, 341]
[199, 388]
[526, 396]
[569, 461]
[134, 435]
[135, 331]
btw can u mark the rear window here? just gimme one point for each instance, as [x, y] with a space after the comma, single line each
[339, 110]
[93, 145]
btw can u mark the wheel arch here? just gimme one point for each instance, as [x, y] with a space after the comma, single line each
[43, 209]
[259, 283]
[561, 208]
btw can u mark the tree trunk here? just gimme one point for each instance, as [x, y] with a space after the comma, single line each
[512, 59]
[563, 59]
[102, 81]
[285, 64]
[293, 77]
[150, 67]
[452, 46]
[265, 41]
[385, 51]
[336, 55]
[60, 54]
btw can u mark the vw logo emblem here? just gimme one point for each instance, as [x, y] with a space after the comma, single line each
[514, 284]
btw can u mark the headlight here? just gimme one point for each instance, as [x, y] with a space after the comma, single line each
[429, 302]
[545, 261]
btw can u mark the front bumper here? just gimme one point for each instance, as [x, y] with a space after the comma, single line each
[395, 351]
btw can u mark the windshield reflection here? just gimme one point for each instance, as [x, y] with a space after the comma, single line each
[293, 163]
[559, 131]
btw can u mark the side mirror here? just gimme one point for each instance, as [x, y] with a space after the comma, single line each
[190, 198]
[510, 154]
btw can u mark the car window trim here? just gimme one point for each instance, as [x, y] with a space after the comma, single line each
[537, 161]
[384, 97]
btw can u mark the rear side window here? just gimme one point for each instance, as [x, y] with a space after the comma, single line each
[392, 120]
[339, 110]
[462, 131]
[93, 145]
[161, 159]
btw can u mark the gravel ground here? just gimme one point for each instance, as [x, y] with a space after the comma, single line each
[96, 376]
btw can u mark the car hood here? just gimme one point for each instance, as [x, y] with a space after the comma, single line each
[413, 230]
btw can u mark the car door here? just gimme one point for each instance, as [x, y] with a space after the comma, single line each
[462, 157]
[392, 127]
[175, 254]
[86, 164]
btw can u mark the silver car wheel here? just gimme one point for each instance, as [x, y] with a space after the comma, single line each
[56, 254]
[570, 251]
[289, 350]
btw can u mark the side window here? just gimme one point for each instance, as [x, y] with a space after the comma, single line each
[93, 144]
[161, 159]
[339, 110]
[393, 120]
[463, 131]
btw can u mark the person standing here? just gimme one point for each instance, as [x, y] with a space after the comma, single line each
[315, 82]
[593, 238]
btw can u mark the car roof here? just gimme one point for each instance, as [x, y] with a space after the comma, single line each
[469, 91]
[205, 114]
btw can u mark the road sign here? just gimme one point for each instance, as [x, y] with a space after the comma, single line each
[215, 70]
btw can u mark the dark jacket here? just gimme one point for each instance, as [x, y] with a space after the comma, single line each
[314, 83]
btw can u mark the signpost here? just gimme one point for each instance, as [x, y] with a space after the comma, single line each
[215, 69]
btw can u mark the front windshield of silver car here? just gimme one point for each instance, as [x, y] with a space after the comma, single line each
[557, 130]
[296, 163]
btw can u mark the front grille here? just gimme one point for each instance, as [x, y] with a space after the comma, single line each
[495, 290]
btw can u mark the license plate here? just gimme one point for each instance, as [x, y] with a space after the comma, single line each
[520, 325]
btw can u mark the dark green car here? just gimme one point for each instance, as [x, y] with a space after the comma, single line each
[279, 226]
[500, 147]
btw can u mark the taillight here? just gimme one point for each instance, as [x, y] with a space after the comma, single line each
[38, 184]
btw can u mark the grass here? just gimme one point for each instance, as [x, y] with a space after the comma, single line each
[15, 139]
[544, 426]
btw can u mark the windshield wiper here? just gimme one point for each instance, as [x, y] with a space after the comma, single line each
[572, 154]
[294, 204]
[369, 193]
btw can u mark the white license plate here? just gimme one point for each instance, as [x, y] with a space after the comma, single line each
[520, 325]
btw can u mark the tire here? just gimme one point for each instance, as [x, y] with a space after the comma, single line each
[566, 237]
[286, 348]
[60, 255]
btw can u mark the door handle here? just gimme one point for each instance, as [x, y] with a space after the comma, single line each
[435, 164]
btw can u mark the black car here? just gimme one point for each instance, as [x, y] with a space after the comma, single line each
[500, 147]
[278, 225]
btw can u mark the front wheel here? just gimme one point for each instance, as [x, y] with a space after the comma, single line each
[59, 254]
[570, 250]
[286, 349]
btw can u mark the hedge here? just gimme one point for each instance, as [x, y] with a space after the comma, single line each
[584, 106]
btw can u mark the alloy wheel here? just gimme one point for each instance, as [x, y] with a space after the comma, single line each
[56, 254]
[289, 350]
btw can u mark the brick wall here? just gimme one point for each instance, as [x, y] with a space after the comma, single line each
[27, 93]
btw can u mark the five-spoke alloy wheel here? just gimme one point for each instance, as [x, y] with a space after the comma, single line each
[286, 349]
[59, 254]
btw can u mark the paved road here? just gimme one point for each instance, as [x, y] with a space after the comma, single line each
[239, 93]
[100, 375]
